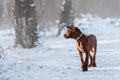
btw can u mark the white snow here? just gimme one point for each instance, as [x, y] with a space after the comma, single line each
[57, 57]
[32, 5]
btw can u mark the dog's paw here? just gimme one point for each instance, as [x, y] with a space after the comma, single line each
[85, 69]
[90, 65]
[94, 65]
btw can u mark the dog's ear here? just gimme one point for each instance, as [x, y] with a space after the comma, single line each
[71, 28]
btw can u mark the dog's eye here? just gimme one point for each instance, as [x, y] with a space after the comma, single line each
[69, 30]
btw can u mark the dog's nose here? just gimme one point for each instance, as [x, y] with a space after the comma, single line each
[65, 35]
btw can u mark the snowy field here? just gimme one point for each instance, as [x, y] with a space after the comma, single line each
[57, 58]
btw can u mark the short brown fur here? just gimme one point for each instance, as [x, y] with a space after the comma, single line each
[84, 44]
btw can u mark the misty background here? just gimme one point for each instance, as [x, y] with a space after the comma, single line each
[48, 11]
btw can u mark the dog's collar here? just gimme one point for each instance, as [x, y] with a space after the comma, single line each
[79, 36]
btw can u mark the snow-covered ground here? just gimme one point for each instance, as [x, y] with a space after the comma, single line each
[57, 57]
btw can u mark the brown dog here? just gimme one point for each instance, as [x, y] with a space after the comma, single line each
[85, 44]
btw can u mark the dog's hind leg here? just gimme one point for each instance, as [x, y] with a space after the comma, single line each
[90, 65]
[94, 58]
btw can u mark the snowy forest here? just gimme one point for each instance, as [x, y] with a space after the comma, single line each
[39, 39]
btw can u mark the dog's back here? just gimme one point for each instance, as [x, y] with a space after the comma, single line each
[92, 43]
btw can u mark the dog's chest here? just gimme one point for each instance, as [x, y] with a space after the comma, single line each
[79, 46]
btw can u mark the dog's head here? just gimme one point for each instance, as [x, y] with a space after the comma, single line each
[72, 32]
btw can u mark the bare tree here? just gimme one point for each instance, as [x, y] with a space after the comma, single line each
[1, 11]
[25, 23]
[66, 16]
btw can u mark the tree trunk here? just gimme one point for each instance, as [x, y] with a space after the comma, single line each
[1, 12]
[66, 17]
[25, 23]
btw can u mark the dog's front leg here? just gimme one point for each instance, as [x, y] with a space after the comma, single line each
[81, 58]
[85, 66]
